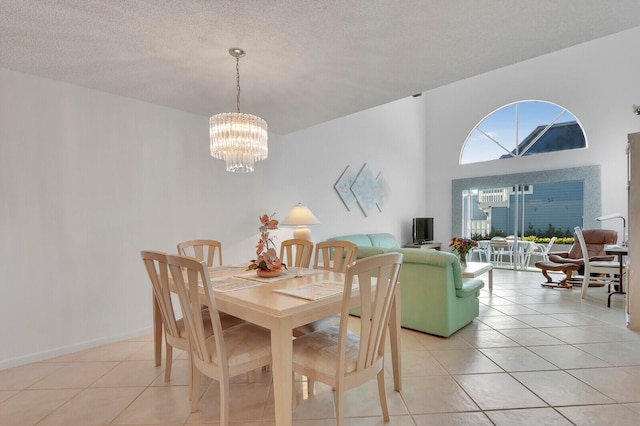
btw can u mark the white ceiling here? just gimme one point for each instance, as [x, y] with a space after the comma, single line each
[308, 61]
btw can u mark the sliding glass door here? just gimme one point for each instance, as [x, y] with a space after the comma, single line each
[522, 214]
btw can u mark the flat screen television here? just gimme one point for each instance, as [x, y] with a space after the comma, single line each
[422, 230]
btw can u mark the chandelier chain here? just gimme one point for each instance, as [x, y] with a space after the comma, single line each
[238, 83]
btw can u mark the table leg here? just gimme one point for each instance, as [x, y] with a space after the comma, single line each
[620, 288]
[157, 332]
[491, 279]
[394, 337]
[282, 371]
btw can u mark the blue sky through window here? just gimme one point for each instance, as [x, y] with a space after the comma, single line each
[501, 132]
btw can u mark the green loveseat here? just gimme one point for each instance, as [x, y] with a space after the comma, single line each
[434, 298]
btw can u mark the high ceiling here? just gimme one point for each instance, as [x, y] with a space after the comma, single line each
[308, 61]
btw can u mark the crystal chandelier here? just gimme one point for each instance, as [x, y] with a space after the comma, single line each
[238, 139]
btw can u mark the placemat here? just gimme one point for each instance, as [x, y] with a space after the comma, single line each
[314, 291]
[224, 284]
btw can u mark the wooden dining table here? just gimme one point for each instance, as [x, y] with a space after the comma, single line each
[281, 313]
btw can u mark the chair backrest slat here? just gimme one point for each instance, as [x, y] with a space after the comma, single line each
[296, 252]
[155, 263]
[375, 304]
[190, 276]
[334, 255]
[202, 250]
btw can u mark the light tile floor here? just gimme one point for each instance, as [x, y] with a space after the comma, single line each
[534, 356]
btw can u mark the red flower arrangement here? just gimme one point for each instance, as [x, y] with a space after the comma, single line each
[462, 246]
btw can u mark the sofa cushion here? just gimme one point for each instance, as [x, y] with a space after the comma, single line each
[469, 287]
[361, 240]
[368, 251]
[383, 241]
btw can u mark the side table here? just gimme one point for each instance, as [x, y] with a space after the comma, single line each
[475, 269]
[621, 252]
[430, 245]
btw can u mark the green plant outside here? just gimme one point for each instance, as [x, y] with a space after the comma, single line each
[536, 236]
[545, 240]
[532, 238]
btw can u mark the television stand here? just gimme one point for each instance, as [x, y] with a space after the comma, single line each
[425, 245]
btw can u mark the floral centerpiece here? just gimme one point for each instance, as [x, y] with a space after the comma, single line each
[462, 246]
[267, 264]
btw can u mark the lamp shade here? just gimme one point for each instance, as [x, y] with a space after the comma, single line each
[301, 216]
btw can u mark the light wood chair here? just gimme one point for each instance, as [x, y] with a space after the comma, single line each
[343, 359]
[205, 250]
[334, 255]
[331, 256]
[608, 268]
[229, 352]
[202, 250]
[175, 335]
[296, 252]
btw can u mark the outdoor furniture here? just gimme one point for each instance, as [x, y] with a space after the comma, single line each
[595, 242]
[567, 268]
[605, 270]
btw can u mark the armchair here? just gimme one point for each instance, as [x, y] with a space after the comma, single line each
[573, 260]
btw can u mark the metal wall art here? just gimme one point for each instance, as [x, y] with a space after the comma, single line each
[363, 189]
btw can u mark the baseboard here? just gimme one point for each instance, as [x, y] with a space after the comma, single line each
[64, 350]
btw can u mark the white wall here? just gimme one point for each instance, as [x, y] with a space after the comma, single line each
[596, 81]
[88, 179]
[390, 139]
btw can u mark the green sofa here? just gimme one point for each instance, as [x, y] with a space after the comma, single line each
[434, 298]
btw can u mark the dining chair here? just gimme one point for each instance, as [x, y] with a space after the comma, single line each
[296, 252]
[334, 255]
[483, 249]
[175, 335]
[174, 331]
[228, 352]
[499, 248]
[206, 250]
[524, 251]
[344, 359]
[543, 250]
[609, 268]
[202, 250]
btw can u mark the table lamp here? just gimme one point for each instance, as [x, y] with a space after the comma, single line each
[624, 224]
[301, 216]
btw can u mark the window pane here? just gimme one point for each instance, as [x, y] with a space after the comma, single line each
[523, 128]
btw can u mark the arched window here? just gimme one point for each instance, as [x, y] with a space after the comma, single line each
[523, 128]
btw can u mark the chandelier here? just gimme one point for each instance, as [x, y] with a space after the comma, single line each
[238, 139]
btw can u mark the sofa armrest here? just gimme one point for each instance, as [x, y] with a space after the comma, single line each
[555, 259]
[469, 287]
[560, 256]
[602, 258]
[384, 241]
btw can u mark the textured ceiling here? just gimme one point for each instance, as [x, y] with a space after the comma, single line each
[308, 61]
